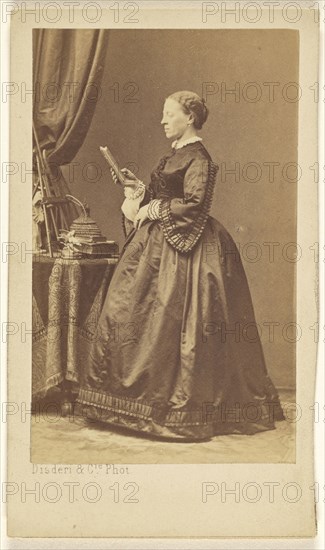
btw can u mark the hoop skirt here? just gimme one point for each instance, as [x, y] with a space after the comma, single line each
[176, 352]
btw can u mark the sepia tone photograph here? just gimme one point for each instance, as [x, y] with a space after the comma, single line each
[164, 231]
[163, 275]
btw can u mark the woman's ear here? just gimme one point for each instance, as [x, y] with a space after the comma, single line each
[191, 119]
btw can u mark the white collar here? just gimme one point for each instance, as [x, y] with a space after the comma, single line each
[193, 139]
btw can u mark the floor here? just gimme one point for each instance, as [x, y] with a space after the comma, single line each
[73, 440]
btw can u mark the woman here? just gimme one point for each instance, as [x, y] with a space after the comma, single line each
[172, 357]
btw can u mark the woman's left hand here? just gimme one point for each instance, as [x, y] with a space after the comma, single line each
[141, 216]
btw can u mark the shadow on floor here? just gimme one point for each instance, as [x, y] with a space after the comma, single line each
[74, 440]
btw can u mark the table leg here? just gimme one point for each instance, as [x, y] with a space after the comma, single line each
[67, 403]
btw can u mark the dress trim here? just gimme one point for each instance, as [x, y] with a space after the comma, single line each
[153, 209]
[204, 422]
[184, 242]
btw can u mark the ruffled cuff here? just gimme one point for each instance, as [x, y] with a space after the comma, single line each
[135, 193]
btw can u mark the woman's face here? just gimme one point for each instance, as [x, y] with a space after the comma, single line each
[174, 120]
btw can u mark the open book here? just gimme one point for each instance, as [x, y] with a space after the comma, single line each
[113, 164]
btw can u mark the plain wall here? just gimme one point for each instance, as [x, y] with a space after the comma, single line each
[161, 62]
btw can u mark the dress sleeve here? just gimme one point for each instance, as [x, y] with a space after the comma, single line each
[183, 219]
[130, 207]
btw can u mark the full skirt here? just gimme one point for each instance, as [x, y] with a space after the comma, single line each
[177, 352]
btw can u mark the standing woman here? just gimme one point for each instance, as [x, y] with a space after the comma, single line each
[171, 357]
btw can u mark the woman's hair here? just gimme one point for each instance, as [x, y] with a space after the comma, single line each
[192, 103]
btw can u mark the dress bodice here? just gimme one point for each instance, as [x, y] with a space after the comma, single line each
[167, 178]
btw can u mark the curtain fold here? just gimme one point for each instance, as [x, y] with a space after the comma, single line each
[68, 70]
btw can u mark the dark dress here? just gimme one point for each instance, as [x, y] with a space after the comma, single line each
[173, 354]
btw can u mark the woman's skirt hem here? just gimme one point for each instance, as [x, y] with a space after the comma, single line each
[200, 424]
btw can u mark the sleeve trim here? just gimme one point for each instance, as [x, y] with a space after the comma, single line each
[185, 242]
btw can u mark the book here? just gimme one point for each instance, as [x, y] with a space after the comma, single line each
[113, 164]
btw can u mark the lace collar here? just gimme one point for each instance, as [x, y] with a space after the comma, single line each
[193, 139]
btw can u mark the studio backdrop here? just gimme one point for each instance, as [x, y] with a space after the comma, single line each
[250, 82]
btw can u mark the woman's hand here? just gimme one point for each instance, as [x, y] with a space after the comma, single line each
[141, 216]
[130, 179]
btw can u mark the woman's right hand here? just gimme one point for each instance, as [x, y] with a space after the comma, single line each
[130, 181]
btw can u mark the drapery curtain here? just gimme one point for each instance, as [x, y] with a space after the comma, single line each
[68, 66]
[68, 69]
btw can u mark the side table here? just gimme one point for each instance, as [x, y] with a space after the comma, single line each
[68, 297]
